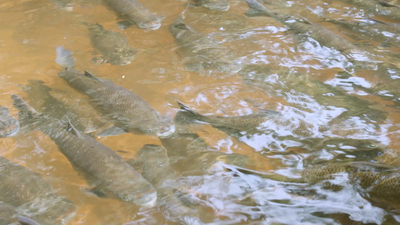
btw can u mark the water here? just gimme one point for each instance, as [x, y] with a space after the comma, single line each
[310, 104]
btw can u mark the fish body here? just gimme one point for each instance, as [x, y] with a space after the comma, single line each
[377, 7]
[9, 126]
[323, 93]
[25, 189]
[135, 12]
[125, 110]
[112, 45]
[233, 122]
[155, 167]
[201, 51]
[10, 216]
[110, 170]
[204, 161]
[221, 5]
[387, 32]
[40, 98]
[302, 27]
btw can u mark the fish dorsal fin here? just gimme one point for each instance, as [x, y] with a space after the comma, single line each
[87, 74]
[304, 20]
[73, 130]
[385, 4]
[377, 21]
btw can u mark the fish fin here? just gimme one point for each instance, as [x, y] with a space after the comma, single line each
[64, 58]
[385, 4]
[124, 25]
[88, 74]
[27, 221]
[72, 129]
[187, 109]
[24, 107]
[96, 190]
[256, 9]
[111, 131]
[375, 20]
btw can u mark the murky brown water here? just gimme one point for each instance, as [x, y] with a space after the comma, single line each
[30, 31]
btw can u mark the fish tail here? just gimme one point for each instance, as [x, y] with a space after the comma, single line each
[64, 58]
[24, 107]
[256, 9]
[189, 112]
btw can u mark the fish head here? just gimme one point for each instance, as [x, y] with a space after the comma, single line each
[220, 5]
[139, 193]
[152, 22]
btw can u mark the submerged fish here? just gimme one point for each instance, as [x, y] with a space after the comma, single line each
[241, 123]
[201, 51]
[204, 161]
[114, 176]
[156, 169]
[10, 216]
[125, 110]
[322, 93]
[377, 7]
[380, 31]
[40, 98]
[381, 182]
[25, 189]
[134, 12]
[112, 45]
[221, 5]
[9, 126]
[302, 27]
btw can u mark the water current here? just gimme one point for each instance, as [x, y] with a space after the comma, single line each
[329, 106]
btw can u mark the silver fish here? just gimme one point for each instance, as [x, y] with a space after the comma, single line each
[134, 12]
[125, 110]
[221, 5]
[156, 169]
[114, 175]
[201, 51]
[112, 45]
[23, 188]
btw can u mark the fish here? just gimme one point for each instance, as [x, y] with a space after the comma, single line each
[380, 8]
[10, 215]
[319, 33]
[113, 176]
[9, 126]
[201, 51]
[324, 94]
[378, 182]
[380, 31]
[241, 123]
[200, 162]
[112, 45]
[40, 97]
[135, 13]
[26, 190]
[127, 111]
[155, 167]
[221, 5]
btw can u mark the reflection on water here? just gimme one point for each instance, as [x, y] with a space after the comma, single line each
[287, 114]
